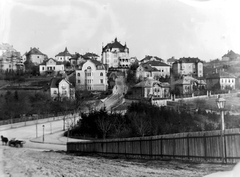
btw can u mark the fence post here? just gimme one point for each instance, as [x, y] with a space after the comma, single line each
[188, 147]
[205, 146]
[161, 140]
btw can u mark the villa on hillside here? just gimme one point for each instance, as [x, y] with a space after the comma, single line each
[221, 81]
[150, 88]
[152, 69]
[188, 66]
[63, 56]
[116, 55]
[187, 85]
[51, 67]
[61, 88]
[91, 75]
[35, 56]
[230, 56]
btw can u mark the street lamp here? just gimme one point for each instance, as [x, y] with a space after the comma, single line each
[221, 104]
[43, 133]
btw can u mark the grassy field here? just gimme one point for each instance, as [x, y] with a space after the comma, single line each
[232, 103]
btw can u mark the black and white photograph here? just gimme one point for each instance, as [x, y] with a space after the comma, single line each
[128, 88]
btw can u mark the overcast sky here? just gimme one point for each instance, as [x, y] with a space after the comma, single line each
[181, 28]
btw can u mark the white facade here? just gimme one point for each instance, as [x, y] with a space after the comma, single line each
[92, 75]
[61, 88]
[116, 55]
[50, 65]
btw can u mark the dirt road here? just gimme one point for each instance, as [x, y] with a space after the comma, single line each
[23, 162]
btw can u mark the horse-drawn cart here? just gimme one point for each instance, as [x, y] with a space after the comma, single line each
[16, 143]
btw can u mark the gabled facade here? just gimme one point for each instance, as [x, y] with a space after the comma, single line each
[61, 88]
[188, 66]
[63, 56]
[152, 69]
[221, 81]
[51, 66]
[91, 75]
[35, 56]
[116, 55]
[151, 88]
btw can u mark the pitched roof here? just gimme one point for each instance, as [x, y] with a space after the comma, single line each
[45, 61]
[148, 58]
[189, 60]
[115, 44]
[35, 51]
[90, 55]
[148, 67]
[220, 74]
[156, 63]
[56, 80]
[64, 53]
[171, 60]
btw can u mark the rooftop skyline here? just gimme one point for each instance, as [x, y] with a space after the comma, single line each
[206, 29]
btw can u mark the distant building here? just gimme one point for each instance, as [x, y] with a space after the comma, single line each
[35, 56]
[152, 69]
[92, 56]
[150, 88]
[170, 61]
[10, 58]
[63, 56]
[230, 56]
[133, 60]
[151, 58]
[91, 75]
[61, 88]
[51, 67]
[116, 55]
[221, 81]
[188, 66]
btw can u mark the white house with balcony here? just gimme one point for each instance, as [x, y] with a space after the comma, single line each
[116, 55]
[51, 66]
[92, 76]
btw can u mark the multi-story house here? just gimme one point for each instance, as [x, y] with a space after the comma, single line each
[35, 56]
[10, 59]
[150, 88]
[116, 55]
[152, 69]
[188, 66]
[92, 56]
[63, 56]
[151, 58]
[61, 88]
[91, 75]
[51, 66]
[187, 85]
[221, 81]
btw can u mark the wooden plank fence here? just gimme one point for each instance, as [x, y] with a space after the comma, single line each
[196, 146]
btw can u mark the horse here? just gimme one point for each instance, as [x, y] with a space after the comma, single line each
[4, 140]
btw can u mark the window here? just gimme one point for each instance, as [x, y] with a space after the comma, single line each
[53, 68]
[43, 68]
[79, 81]
[37, 56]
[55, 92]
[78, 74]
[101, 81]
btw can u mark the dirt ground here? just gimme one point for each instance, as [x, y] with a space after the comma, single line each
[23, 162]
